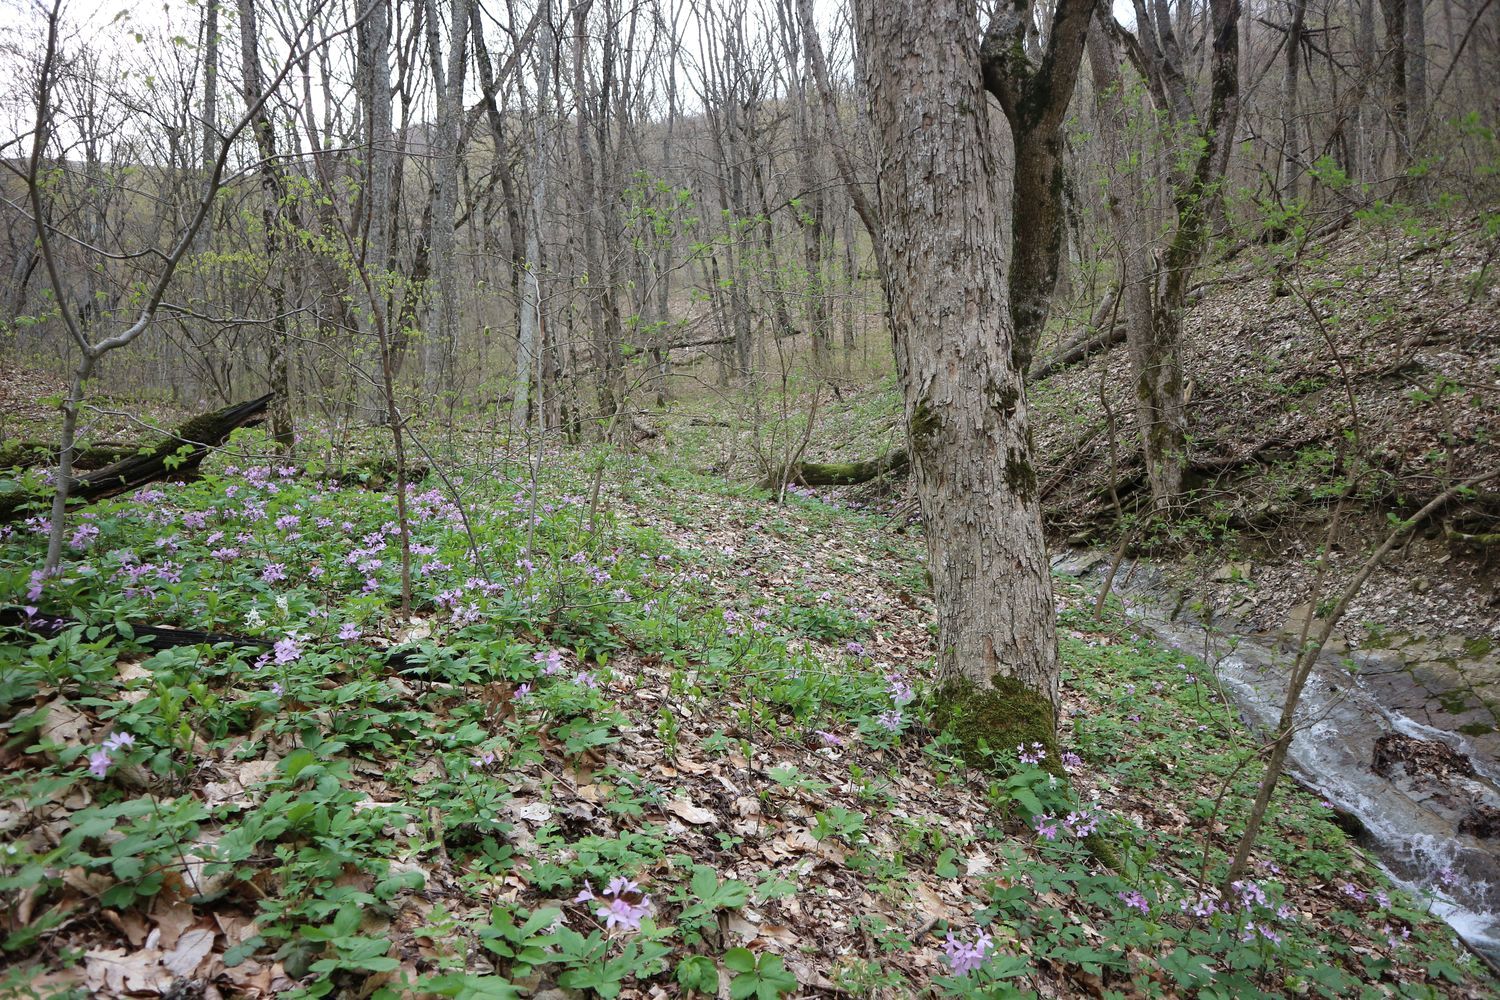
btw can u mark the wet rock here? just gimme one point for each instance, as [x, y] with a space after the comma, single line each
[1483, 822]
[1238, 571]
[1420, 758]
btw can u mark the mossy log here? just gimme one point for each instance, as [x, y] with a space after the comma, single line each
[843, 473]
[178, 454]
[157, 636]
[29, 454]
[1483, 538]
[378, 473]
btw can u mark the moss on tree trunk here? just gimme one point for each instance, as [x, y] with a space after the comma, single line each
[992, 721]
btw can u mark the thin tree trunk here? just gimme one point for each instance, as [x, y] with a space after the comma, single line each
[528, 371]
[448, 79]
[380, 160]
[1034, 91]
[1415, 45]
[273, 197]
[1291, 153]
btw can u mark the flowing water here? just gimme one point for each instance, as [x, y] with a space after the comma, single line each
[1411, 814]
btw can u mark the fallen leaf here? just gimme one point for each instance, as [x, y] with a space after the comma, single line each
[64, 723]
[531, 812]
[117, 971]
[171, 917]
[192, 948]
[689, 813]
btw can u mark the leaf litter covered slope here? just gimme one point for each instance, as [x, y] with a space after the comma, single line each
[1401, 320]
[1407, 313]
[622, 755]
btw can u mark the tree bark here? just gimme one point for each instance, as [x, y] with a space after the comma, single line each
[1155, 295]
[527, 370]
[1034, 94]
[1291, 166]
[380, 163]
[941, 200]
[273, 197]
[448, 80]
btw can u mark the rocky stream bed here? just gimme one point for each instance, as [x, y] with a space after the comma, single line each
[1399, 734]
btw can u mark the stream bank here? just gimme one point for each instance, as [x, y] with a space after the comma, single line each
[1424, 797]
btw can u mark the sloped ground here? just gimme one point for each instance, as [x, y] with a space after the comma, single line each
[1385, 345]
[1400, 318]
[617, 746]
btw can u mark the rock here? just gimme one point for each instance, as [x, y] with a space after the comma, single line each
[1237, 571]
[1483, 822]
[1419, 757]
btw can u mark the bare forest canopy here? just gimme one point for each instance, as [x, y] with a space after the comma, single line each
[489, 489]
[564, 212]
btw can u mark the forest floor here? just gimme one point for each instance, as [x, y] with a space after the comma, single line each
[1384, 346]
[710, 712]
[676, 743]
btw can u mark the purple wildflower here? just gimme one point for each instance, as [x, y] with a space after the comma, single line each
[99, 763]
[1082, 823]
[551, 661]
[966, 956]
[623, 904]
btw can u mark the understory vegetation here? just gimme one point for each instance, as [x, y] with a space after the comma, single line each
[645, 731]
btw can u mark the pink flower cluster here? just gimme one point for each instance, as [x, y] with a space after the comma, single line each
[622, 903]
[963, 955]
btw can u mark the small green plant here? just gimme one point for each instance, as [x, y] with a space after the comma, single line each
[764, 977]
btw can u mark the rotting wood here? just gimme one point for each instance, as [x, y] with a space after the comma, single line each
[178, 454]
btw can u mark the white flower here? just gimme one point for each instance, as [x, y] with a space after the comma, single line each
[254, 620]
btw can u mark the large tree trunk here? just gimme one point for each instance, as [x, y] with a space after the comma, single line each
[941, 203]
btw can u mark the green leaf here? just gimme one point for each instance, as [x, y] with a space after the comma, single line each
[462, 986]
[740, 960]
[698, 973]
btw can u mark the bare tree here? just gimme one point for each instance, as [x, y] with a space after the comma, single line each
[79, 326]
[941, 191]
[1034, 89]
[1154, 281]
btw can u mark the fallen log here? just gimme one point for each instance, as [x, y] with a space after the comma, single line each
[158, 636]
[28, 454]
[1102, 331]
[844, 473]
[178, 454]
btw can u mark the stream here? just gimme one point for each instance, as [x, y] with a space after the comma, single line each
[1427, 800]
